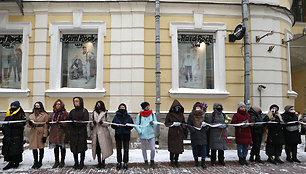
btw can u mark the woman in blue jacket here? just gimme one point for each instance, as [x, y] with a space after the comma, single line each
[145, 131]
[122, 135]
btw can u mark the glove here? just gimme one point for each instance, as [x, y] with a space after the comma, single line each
[44, 139]
[94, 122]
[245, 126]
[100, 122]
[30, 123]
[48, 123]
[203, 124]
[176, 123]
[223, 126]
[151, 123]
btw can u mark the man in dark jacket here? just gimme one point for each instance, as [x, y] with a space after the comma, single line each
[78, 131]
[257, 132]
[122, 135]
[197, 128]
[13, 136]
[291, 133]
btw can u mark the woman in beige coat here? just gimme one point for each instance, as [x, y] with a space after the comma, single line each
[38, 133]
[101, 141]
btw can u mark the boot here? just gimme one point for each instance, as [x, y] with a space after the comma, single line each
[125, 166]
[203, 165]
[16, 165]
[241, 161]
[278, 160]
[118, 166]
[56, 164]
[62, 164]
[41, 156]
[146, 164]
[257, 159]
[172, 159]
[289, 160]
[56, 156]
[222, 162]
[9, 166]
[251, 158]
[152, 164]
[63, 155]
[35, 155]
[76, 161]
[196, 162]
[103, 164]
[176, 164]
[245, 161]
[270, 160]
[294, 159]
[81, 166]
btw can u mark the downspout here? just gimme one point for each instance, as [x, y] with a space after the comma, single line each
[157, 73]
[246, 54]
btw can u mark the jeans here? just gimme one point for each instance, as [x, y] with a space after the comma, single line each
[242, 150]
[144, 148]
[199, 151]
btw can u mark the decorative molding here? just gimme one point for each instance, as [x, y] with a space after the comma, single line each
[89, 27]
[219, 30]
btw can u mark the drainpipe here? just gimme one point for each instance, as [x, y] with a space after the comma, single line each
[246, 54]
[157, 73]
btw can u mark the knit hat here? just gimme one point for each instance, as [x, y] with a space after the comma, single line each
[16, 103]
[288, 107]
[256, 109]
[274, 105]
[240, 104]
[144, 104]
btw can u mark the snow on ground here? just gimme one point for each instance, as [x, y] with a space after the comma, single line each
[135, 156]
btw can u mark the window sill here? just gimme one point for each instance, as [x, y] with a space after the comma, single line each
[197, 93]
[14, 92]
[73, 92]
[292, 94]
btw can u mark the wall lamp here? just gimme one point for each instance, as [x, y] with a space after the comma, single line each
[258, 38]
[293, 39]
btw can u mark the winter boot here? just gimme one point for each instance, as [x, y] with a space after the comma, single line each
[56, 155]
[251, 158]
[245, 161]
[222, 162]
[81, 166]
[196, 162]
[125, 166]
[103, 164]
[146, 164]
[270, 160]
[35, 155]
[294, 159]
[63, 155]
[41, 156]
[9, 166]
[203, 165]
[278, 160]
[76, 161]
[56, 164]
[257, 159]
[118, 166]
[241, 161]
[152, 164]
[62, 164]
[16, 165]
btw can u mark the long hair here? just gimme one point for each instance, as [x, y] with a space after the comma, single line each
[42, 109]
[62, 105]
[101, 104]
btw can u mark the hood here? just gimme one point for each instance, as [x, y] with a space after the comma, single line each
[215, 106]
[174, 104]
[81, 101]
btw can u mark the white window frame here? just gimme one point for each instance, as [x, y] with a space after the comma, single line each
[24, 28]
[290, 93]
[76, 27]
[219, 31]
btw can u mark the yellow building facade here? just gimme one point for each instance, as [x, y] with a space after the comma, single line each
[125, 53]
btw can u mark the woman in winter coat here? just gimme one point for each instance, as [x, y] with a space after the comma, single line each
[38, 133]
[13, 136]
[291, 133]
[275, 136]
[58, 132]
[176, 122]
[122, 135]
[257, 132]
[218, 135]
[146, 134]
[242, 133]
[101, 140]
[78, 131]
[197, 128]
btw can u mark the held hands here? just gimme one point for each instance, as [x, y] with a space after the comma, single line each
[100, 122]
[151, 123]
[176, 124]
[245, 126]
[223, 126]
[203, 124]
[94, 122]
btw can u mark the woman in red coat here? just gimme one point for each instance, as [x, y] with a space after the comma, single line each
[242, 133]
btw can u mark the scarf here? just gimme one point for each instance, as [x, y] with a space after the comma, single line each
[146, 113]
[197, 118]
[8, 113]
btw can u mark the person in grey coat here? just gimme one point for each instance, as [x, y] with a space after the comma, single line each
[218, 135]
[197, 128]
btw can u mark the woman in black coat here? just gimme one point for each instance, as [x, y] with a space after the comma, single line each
[257, 132]
[292, 134]
[197, 128]
[275, 135]
[13, 136]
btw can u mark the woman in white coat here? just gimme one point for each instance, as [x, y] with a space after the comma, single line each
[101, 139]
